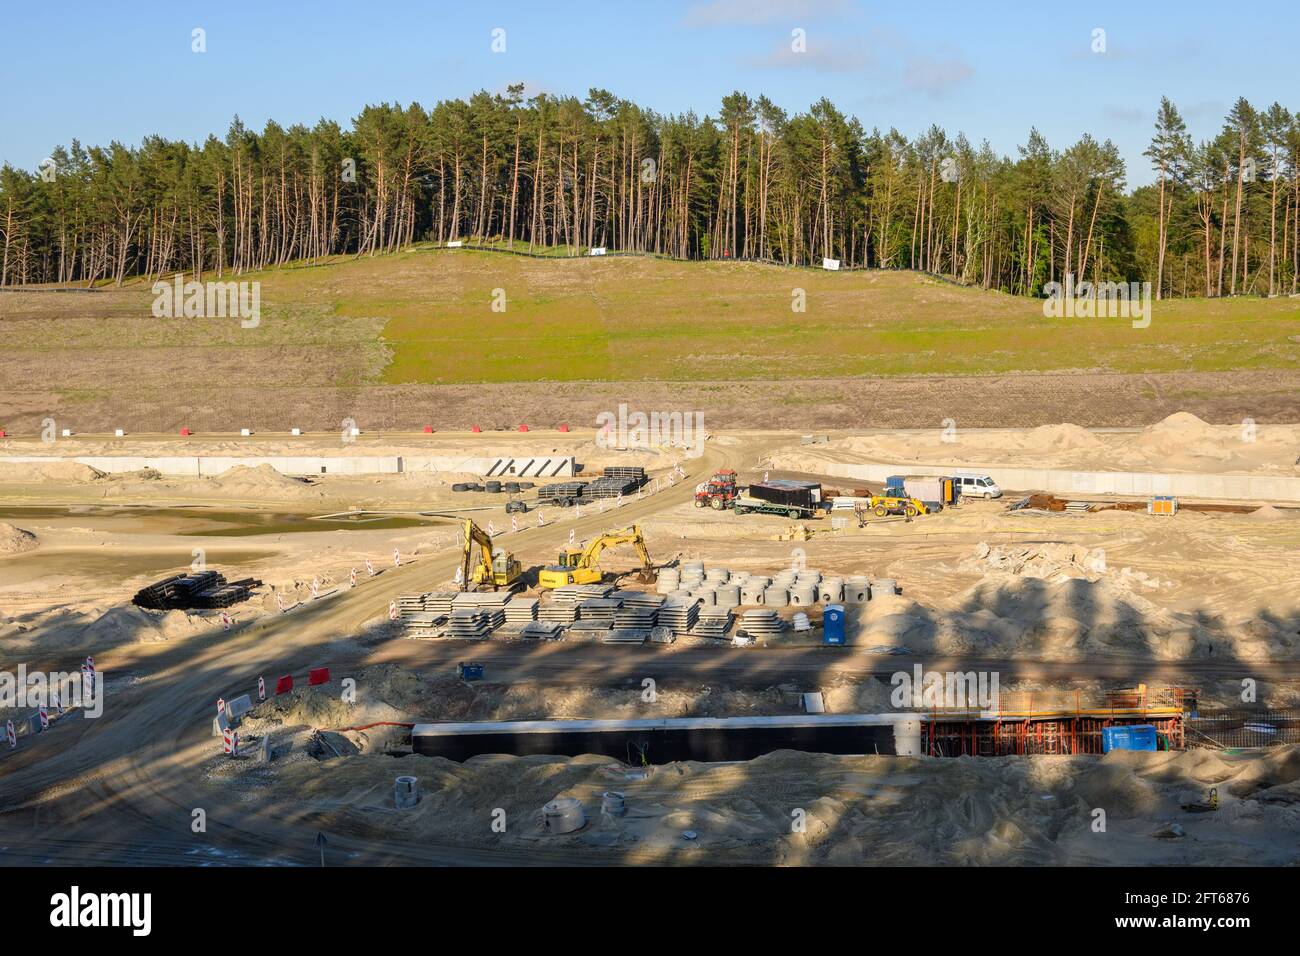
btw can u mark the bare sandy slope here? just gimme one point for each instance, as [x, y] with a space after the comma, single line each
[1179, 443]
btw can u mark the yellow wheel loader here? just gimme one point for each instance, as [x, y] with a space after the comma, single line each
[582, 565]
[882, 505]
[501, 569]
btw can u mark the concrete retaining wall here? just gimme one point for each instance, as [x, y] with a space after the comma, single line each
[538, 466]
[1061, 482]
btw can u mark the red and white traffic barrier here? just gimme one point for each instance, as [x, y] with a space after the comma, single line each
[397, 558]
[11, 734]
[315, 589]
[514, 523]
[45, 718]
[352, 578]
[261, 689]
[571, 536]
[229, 742]
[392, 610]
[279, 601]
[540, 522]
[221, 706]
[225, 621]
[370, 568]
[491, 530]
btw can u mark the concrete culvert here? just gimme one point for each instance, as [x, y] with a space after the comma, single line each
[563, 815]
[406, 792]
[613, 803]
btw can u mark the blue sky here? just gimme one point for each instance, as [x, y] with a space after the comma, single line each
[101, 70]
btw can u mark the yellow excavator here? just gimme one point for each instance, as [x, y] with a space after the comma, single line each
[582, 565]
[495, 567]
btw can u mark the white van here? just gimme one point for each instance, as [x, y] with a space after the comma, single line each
[977, 486]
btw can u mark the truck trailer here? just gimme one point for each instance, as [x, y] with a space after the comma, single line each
[794, 499]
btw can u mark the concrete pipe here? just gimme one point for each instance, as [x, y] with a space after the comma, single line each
[802, 595]
[613, 803]
[776, 597]
[563, 815]
[406, 792]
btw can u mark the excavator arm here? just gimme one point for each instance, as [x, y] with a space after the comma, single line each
[475, 535]
[633, 536]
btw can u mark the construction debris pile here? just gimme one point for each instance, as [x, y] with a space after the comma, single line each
[1046, 561]
[201, 590]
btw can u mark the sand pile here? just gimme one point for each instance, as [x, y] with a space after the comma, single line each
[1179, 437]
[129, 624]
[1269, 513]
[66, 471]
[1065, 437]
[243, 481]
[15, 540]
[390, 692]
[863, 809]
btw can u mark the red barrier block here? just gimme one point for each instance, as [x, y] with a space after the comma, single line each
[523, 428]
[428, 429]
[284, 684]
[564, 428]
[476, 430]
[318, 675]
[185, 433]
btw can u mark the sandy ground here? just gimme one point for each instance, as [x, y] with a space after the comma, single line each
[1179, 443]
[976, 581]
[789, 808]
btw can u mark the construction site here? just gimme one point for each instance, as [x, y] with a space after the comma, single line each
[544, 645]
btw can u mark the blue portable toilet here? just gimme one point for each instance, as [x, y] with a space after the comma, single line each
[1129, 737]
[833, 624]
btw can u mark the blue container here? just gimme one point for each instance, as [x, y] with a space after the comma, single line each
[1129, 737]
[833, 624]
[469, 671]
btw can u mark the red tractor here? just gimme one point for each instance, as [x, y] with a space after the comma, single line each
[719, 492]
